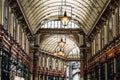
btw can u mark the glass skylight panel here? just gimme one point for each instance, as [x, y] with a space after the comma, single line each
[58, 24]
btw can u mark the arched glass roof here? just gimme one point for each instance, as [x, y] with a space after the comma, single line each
[50, 44]
[75, 53]
[85, 12]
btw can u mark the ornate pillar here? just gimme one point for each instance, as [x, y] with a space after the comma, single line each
[35, 62]
[82, 71]
[36, 58]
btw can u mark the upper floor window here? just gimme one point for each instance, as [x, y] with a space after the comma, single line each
[102, 37]
[119, 18]
[58, 24]
[96, 43]
[6, 14]
[14, 27]
[110, 29]
[20, 35]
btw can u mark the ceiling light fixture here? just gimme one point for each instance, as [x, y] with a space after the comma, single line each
[65, 19]
[61, 43]
[61, 53]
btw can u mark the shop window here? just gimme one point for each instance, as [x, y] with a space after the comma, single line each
[117, 67]
[102, 71]
[110, 69]
[5, 72]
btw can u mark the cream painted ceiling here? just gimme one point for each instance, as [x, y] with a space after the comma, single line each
[84, 14]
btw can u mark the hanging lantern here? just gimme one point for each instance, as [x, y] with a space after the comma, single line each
[65, 19]
[61, 43]
[61, 53]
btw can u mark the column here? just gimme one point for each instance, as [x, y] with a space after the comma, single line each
[82, 72]
[1, 11]
[37, 38]
[35, 62]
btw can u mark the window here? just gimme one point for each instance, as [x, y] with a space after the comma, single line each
[24, 42]
[110, 69]
[14, 28]
[110, 28]
[102, 71]
[117, 22]
[119, 18]
[102, 37]
[20, 35]
[6, 15]
[96, 43]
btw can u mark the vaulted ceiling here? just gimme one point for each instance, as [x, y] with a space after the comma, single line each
[84, 14]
